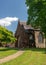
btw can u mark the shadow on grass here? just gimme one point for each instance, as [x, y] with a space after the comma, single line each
[6, 49]
[43, 50]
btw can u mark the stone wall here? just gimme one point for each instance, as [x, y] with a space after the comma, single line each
[23, 37]
[39, 45]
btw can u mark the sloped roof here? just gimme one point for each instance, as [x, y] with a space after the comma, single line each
[22, 23]
[28, 27]
[25, 25]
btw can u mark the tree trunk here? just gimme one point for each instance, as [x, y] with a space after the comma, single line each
[0, 44]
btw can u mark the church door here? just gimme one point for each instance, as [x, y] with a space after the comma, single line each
[31, 40]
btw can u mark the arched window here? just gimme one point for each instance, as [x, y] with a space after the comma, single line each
[40, 38]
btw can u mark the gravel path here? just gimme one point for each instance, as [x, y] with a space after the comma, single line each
[10, 57]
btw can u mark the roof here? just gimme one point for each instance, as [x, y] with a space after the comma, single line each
[28, 27]
[25, 25]
[22, 23]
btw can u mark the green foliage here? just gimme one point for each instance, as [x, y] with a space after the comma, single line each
[37, 14]
[6, 36]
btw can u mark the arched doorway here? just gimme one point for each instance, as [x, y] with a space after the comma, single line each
[31, 40]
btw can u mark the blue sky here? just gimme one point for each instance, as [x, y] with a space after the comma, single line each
[13, 8]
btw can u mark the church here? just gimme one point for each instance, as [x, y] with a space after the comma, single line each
[28, 37]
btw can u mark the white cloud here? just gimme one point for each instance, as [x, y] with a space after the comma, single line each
[7, 21]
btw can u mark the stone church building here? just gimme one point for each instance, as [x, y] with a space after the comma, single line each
[28, 37]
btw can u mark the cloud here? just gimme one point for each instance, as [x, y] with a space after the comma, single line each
[7, 21]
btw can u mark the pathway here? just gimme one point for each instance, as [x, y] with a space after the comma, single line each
[10, 57]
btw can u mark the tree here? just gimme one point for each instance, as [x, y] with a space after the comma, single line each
[6, 36]
[37, 14]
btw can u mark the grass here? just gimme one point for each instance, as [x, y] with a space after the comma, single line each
[31, 56]
[6, 51]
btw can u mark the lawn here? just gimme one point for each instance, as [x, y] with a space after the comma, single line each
[6, 51]
[31, 56]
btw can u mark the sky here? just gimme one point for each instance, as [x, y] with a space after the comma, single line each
[11, 11]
